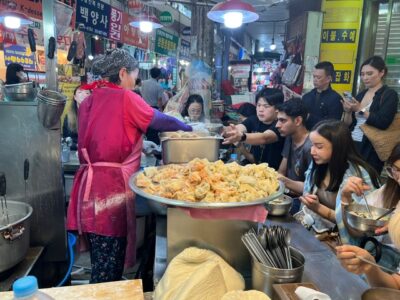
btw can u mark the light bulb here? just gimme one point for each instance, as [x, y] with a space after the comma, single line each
[272, 46]
[12, 22]
[233, 19]
[146, 26]
[90, 57]
[261, 49]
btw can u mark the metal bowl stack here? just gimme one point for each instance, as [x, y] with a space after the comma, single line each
[364, 226]
[20, 92]
[50, 108]
[280, 206]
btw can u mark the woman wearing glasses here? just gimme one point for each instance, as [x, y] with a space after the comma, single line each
[387, 196]
[194, 108]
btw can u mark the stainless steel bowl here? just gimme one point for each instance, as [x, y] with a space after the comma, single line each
[381, 293]
[280, 206]
[20, 92]
[363, 226]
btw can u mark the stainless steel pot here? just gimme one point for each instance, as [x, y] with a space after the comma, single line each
[20, 92]
[50, 108]
[14, 237]
[263, 277]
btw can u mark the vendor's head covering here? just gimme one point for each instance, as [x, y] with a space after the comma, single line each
[114, 60]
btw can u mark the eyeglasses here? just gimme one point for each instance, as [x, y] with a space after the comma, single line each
[393, 172]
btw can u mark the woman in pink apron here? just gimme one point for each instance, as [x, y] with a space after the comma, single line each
[111, 123]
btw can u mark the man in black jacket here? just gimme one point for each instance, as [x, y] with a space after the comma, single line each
[322, 102]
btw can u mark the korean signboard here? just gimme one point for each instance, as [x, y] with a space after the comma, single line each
[184, 51]
[115, 24]
[131, 35]
[166, 43]
[19, 54]
[94, 16]
[339, 39]
[339, 36]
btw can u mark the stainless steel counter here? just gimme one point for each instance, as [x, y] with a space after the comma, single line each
[322, 267]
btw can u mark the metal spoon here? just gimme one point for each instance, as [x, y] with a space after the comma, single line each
[376, 265]
[386, 213]
[366, 204]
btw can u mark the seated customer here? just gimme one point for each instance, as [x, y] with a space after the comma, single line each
[260, 131]
[376, 277]
[70, 125]
[194, 109]
[387, 196]
[296, 151]
[335, 161]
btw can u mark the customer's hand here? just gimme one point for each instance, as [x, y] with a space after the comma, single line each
[232, 135]
[353, 106]
[354, 185]
[311, 201]
[347, 256]
[382, 230]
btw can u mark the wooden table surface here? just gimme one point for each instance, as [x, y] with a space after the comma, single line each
[121, 290]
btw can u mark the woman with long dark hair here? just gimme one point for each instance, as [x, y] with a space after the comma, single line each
[70, 126]
[335, 160]
[375, 106]
[194, 108]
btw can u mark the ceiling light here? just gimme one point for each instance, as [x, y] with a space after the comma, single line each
[272, 46]
[233, 13]
[146, 26]
[90, 57]
[13, 19]
[146, 23]
[96, 37]
[261, 49]
[233, 19]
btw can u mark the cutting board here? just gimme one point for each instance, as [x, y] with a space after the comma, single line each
[121, 290]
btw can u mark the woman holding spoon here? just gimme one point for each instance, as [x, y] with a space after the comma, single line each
[387, 196]
[356, 260]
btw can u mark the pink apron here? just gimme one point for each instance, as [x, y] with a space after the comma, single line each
[101, 201]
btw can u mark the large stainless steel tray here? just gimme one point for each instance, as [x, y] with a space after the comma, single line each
[163, 202]
[177, 150]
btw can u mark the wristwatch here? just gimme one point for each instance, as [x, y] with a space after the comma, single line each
[244, 137]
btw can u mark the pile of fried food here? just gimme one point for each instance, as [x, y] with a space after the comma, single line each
[184, 135]
[203, 181]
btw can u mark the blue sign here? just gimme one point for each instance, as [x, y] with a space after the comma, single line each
[94, 16]
[184, 52]
[20, 55]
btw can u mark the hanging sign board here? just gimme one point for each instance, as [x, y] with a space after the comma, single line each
[94, 16]
[166, 43]
[115, 24]
[186, 31]
[184, 51]
[166, 18]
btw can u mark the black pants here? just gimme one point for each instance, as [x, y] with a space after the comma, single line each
[107, 256]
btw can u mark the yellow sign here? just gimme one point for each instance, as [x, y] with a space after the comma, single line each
[339, 40]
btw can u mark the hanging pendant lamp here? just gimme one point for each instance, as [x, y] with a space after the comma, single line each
[233, 13]
[13, 19]
[146, 23]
